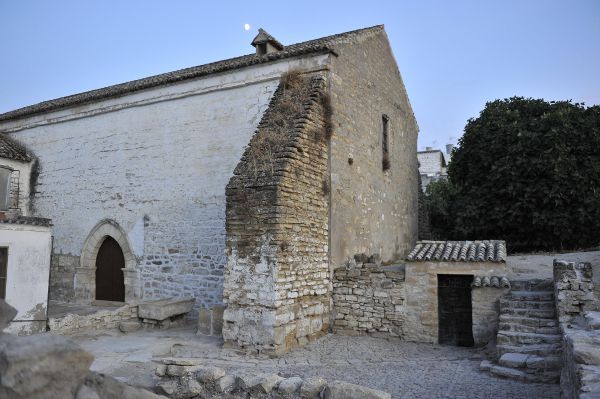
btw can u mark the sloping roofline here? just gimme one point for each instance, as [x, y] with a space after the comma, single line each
[321, 45]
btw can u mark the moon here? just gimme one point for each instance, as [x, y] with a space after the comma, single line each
[246, 27]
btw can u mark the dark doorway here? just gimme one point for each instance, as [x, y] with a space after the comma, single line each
[454, 310]
[110, 284]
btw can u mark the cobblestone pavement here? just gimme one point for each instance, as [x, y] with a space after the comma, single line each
[406, 370]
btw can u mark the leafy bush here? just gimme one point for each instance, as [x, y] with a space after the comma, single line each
[527, 171]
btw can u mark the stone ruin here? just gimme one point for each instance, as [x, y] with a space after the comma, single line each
[183, 378]
[48, 366]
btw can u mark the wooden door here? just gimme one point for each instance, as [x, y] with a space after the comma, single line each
[110, 284]
[455, 315]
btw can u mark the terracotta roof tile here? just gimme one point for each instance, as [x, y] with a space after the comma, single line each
[459, 251]
[10, 149]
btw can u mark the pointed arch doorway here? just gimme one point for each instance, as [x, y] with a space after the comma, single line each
[110, 261]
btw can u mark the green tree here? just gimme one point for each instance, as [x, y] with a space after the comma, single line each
[527, 171]
[439, 200]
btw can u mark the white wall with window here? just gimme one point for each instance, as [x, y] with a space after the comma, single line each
[25, 249]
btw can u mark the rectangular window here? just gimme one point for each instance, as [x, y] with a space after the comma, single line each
[385, 142]
[3, 271]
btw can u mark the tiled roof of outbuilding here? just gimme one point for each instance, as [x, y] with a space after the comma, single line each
[459, 251]
[321, 45]
[28, 220]
[10, 149]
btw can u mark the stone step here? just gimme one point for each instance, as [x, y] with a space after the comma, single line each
[532, 363]
[532, 295]
[539, 349]
[532, 285]
[539, 313]
[524, 338]
[542, 305]
[518, 327]
[520, 375]
[528, 321]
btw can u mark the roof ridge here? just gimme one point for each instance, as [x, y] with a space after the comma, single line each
[322, 44]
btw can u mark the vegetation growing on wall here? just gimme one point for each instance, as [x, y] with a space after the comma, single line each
[527, 171]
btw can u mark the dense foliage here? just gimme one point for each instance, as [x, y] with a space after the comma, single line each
[527, 171]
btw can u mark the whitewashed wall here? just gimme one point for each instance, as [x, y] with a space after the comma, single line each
[29, 250]
[157, 163]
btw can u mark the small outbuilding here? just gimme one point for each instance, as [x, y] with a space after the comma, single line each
[453, 290]
[25, 242]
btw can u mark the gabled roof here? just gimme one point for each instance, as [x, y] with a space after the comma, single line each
[264, 37]
[10, 149]
[459, 251]
[321, 45]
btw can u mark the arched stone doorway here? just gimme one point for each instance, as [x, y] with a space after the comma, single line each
[86, 276]
[110, 262]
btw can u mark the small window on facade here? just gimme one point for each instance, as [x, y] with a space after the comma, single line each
[385, 142]
[3, 271]
[4, 188]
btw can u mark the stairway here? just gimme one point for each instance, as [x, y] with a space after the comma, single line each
[529, 343]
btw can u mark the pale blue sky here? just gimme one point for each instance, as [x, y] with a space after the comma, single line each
[453, 55]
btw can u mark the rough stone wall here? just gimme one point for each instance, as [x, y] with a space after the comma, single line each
[485, 303]
[100, 320]
[157, 163]
[573, 290]
[276, 279]
[372, 210]
[369, 300]
[62, 277]
[576, 307]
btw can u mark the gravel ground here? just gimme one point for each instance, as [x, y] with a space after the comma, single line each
[406, 370]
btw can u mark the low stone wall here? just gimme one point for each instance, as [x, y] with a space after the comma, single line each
[485, 302]
[187, 378]
[573, 290]
[102, 319]
[369, 299]
[210, 321]
[580, 325]
[62, 277]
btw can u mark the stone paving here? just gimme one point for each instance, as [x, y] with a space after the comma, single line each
[406, 370]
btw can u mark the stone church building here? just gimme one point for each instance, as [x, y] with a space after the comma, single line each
[244, 182]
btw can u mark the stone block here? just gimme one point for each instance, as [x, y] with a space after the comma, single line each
[204, 322]
[226, 384]
[85, 392]
[312, 387]
[208, 375]
[289, 386]
[7, 314]
[217, 319]
[130, 326]
[345, 390]
[268, 382]
[108, 387]
[42, 366]
[164, 308]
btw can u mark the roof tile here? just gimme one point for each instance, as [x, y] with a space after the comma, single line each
[459, 251]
